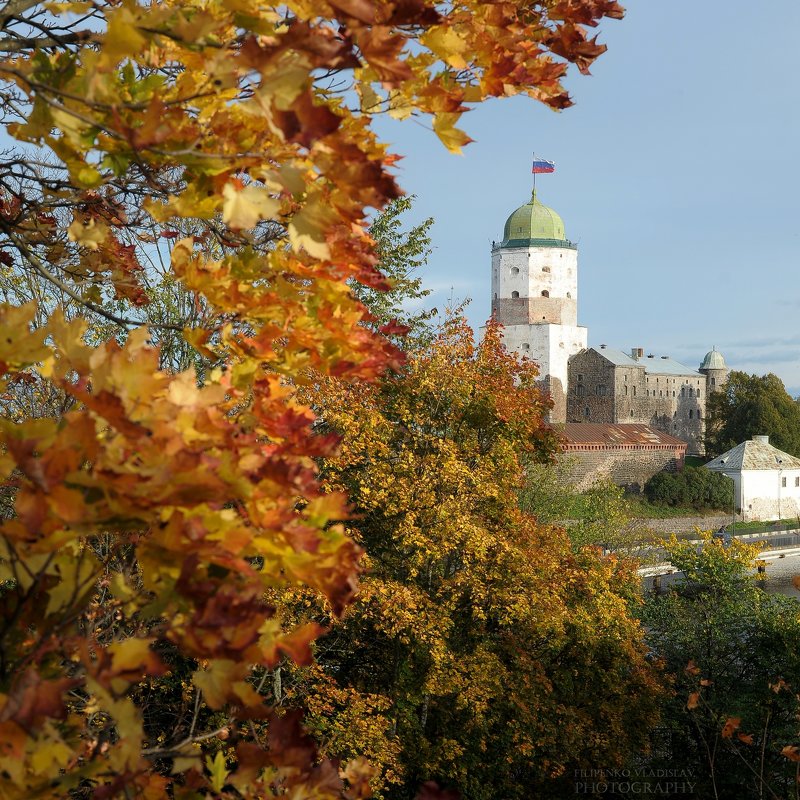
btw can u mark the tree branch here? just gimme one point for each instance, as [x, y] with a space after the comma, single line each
[40, 267]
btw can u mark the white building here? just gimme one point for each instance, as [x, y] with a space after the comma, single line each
[766, 480]
[535, 295]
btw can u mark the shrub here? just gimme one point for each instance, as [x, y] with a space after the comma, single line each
[694, 486]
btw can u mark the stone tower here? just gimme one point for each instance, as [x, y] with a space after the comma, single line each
[535, 295]
[715, 370]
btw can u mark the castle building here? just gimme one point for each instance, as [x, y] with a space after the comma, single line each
[535, 295]
[535, 298]
[607, 385]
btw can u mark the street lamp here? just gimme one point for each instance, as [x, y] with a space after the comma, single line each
[779, 461]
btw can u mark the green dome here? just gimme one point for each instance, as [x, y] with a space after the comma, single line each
[534, 223]
[713, 360]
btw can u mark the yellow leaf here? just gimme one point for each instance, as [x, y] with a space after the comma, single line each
[452, 138]
[77, 578]
[183, 389]
[218, 771]
[448, 45]
[89, 234]
[122, 37]
[244, 207]
[215, 682]
[307, 228]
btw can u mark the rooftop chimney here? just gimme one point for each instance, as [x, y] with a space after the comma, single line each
[764, 439]
[637, 353]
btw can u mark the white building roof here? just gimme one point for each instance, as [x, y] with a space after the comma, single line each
[755, 453]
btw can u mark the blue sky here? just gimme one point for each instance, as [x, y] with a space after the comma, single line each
[678, 174]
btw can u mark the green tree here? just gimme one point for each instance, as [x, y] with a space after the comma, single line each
[749, 405]
[402, 252]
[733, 652]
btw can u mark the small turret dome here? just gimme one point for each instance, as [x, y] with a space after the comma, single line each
[713, 360]
[534, 223]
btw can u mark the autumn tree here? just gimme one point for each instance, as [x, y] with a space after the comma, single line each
[220, 153]
[749, 405]
[483, 650]
[734, 655]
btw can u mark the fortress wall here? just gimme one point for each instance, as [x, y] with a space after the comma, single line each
[630, 467]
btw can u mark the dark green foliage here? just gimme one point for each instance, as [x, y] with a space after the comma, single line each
[733, 653]
[697, 487]
[750, 405]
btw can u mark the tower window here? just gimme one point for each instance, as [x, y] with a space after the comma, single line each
[783, 482]
[797, 481]
[515, 270]
[690, 413]
[634, 391]
[545, 269]
[698, 393]
[713, 381]
[526, 346]
[514, 295]
[586, 412]
[545, 293]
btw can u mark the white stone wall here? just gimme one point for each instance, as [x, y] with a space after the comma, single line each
[533, 270]
[550, 346]
[761, 496]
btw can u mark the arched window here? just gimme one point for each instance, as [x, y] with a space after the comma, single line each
[586, 412]
[545, 293]
[691, 413]
[691, 392]
[515, 270]
[514, 295]
[698, 394]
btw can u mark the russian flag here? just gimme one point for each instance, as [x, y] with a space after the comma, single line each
[541, 166]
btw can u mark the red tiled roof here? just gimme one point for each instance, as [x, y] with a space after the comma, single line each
[577, 434]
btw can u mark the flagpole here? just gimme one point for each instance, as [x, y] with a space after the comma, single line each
[534, 174]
